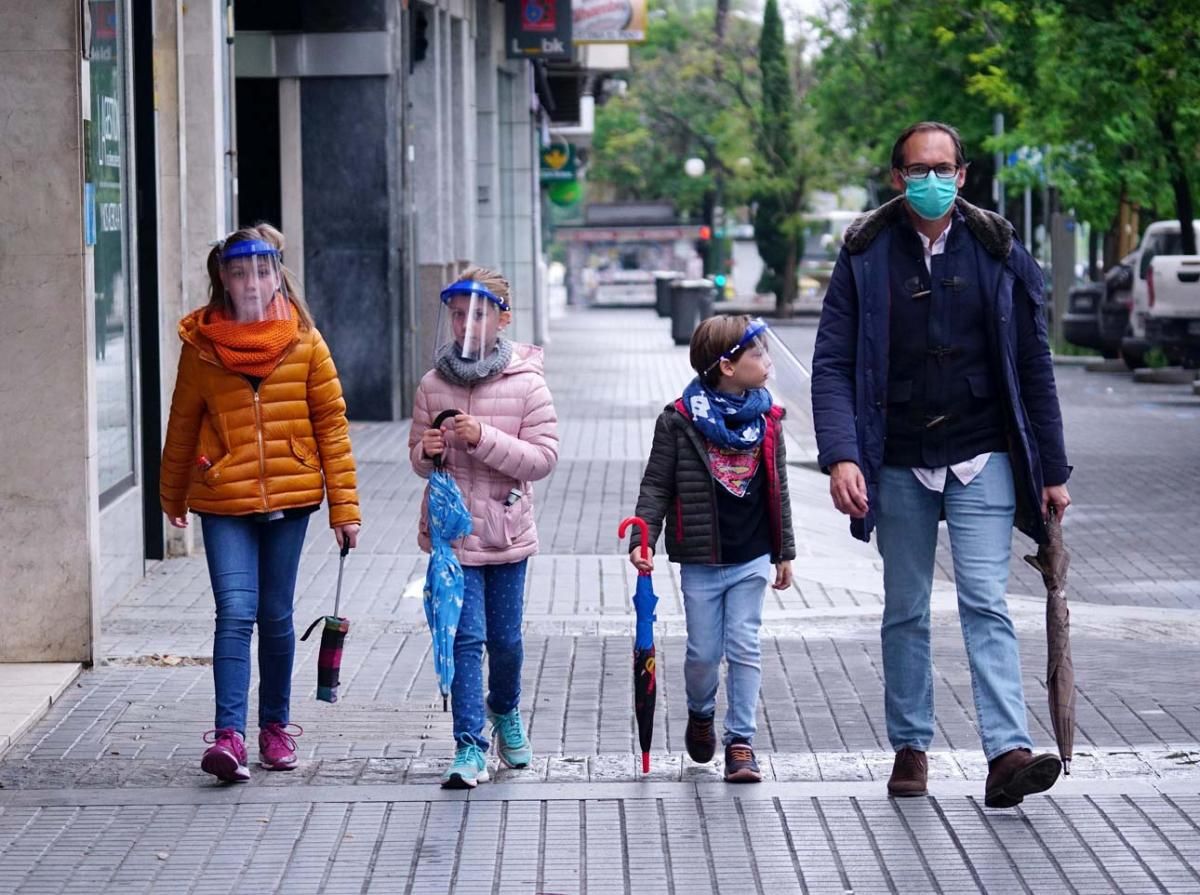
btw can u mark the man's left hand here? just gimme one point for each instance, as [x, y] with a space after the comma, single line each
[783, 575]
[1055, 496]
[468, 429]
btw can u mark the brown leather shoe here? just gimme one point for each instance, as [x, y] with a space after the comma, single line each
[909, 773]
[1017, 774]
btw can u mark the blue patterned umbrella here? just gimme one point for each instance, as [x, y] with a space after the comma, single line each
[449, 521]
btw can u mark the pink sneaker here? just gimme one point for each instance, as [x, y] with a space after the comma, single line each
[277, 746]
[225, 759]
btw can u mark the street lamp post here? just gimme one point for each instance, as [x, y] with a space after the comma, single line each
[695, 167]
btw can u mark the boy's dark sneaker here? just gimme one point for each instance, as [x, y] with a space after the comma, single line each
[700, 738]
[740, 766]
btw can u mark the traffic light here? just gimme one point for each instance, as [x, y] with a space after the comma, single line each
[705, 233]
[720, 280]
[420, 36]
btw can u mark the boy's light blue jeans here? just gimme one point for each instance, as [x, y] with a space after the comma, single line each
[253, 567]
[980, 519]
[724, 612]
[492, 612]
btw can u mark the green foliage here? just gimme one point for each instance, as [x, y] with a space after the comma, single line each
[1107, 90]
[679, 104]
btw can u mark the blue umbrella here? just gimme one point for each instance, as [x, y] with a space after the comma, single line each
[449, 521]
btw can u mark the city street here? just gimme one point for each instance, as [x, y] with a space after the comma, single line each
[105, 794]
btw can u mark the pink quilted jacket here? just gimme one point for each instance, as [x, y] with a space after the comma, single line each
[519, 445]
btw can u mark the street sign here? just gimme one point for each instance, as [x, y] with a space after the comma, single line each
[538, 29]
[558, 163]
[609, 21]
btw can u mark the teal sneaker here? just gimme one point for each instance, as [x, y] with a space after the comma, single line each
[512, 745]
[468, 770]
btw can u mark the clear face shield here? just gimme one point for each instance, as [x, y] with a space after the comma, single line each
[255, 290]
[470, 321]
[771, 364]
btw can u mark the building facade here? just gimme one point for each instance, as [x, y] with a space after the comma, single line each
[391, 141]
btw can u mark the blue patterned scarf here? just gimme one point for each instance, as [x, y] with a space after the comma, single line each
[729, 421]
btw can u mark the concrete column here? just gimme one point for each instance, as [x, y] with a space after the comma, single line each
[49, 511]
[518, 176]
[291, 173]
[487, 149]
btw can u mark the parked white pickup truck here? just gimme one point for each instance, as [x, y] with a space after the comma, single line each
[1173, 317]
[1160, 238]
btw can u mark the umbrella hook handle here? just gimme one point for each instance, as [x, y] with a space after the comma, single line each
[645, 530]
[439, 460]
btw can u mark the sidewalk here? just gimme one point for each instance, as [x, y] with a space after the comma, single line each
[105, 793]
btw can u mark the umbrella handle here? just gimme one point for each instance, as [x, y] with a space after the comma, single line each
[643, 527]
[452, 412]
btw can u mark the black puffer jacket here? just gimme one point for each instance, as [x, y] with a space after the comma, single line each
[678, 486]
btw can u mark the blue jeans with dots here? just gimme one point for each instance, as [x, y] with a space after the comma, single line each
[492, 612]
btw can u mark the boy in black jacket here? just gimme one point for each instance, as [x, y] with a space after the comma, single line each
[717, 474]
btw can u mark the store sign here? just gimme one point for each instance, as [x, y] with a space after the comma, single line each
[608, 21]
[537, 29]
[558, 163]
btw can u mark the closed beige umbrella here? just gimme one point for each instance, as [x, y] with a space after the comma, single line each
[1052, 561]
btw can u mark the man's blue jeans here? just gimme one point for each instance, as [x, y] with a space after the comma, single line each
[492, 612]
[723, 605]
[253, 567]
[980, 518]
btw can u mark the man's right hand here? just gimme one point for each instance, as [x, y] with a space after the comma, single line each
[848, 488]
[642, 562]
[433, 442]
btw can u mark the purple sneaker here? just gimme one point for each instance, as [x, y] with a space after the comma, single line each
[225, 759]
[277, 746]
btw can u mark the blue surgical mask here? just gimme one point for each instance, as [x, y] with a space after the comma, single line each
[931, 196]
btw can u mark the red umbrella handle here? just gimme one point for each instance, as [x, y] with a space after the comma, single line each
[645, 529]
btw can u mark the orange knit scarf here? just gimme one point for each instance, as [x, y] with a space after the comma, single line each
[254, 349]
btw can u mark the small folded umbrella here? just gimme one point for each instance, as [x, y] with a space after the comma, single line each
[1052, 561]
[449, 520]
[333, 635]
[645, 691]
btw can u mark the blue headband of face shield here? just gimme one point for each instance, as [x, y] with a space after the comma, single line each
[756, 327]
[472, 287]
[247, 248]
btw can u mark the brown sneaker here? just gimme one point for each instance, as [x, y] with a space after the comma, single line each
[700, 738]
[910, 772]
[1017, 774]
[740, 766]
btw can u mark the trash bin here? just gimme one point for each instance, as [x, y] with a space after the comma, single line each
[662, 290]
[691, 302]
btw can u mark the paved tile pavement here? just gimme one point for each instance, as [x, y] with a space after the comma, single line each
[105, 793]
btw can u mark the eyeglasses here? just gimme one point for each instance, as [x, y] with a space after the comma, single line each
[920, 172]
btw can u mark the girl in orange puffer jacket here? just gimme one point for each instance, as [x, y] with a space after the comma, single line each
[257, 438]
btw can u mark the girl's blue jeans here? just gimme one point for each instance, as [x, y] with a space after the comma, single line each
[492, 613]
[253, 567]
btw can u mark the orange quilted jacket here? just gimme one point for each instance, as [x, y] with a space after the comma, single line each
[276, 448]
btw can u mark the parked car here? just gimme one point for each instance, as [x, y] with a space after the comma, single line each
[1112, 317]
[1160, 238]
[1081, 322]
[1173, 318]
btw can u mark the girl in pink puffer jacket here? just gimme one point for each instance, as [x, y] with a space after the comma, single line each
[504, 438]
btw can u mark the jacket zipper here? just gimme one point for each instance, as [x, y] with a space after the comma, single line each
[262, 458]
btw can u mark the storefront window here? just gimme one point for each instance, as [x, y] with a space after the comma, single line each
[107, 215]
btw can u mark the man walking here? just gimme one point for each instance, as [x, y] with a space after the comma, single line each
[933, 397]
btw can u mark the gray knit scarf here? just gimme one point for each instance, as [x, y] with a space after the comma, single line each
[466, 373]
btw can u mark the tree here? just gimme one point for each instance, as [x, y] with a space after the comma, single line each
[678, 104]
[779, 192]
